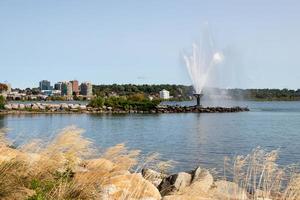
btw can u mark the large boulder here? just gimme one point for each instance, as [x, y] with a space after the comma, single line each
[99, 164]
[8, 106]
[21, 106]
[202, 180]
[28, 106]
[199, 188]
[15, 106]
[130, 186]
[228, 190]
[82, 107]
[42, 107]
[35, 107]
[175, 183]
[153, 176]
[64, 106]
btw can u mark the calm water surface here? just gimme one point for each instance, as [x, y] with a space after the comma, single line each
[189, 139]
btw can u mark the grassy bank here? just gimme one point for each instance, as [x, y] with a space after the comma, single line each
[71, 167]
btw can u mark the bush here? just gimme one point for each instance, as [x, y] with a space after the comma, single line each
[2, 102]
[97, 102]
[136, 102]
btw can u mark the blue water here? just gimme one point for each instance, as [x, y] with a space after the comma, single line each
[189, 139]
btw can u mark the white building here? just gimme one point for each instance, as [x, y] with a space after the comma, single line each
[164, 94]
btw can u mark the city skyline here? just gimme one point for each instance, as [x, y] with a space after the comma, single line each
[109, 42]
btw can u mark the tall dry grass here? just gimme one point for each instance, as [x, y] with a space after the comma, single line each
[259, 174]
[70, 167]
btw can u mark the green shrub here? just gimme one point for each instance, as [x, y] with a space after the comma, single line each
[2, 102]
[97, 102]
[136, 102]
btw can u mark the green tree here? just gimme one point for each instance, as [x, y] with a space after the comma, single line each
[97, 102]
[2, 102]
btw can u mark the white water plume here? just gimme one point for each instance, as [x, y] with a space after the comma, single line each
[201, 61]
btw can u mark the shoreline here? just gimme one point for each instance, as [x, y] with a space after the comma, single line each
[158, 110]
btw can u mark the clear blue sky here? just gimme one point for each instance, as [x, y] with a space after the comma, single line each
[141, 41]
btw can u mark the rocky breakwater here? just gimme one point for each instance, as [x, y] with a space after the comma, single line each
[43, 107]
[12, 108]
[196, 109]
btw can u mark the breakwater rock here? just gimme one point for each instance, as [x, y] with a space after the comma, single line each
[195, 109]
[78, 108]
[195, 184]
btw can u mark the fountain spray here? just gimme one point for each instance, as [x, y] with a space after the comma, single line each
[200, 63]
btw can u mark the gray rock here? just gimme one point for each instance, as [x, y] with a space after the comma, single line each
[28, 106]
[82, 107]
[64, 106]
[175, 183]
[8, 106]
[41, 107]
[153, 176]
[35, 107]
[202, 180]
[15, 106]
[21, 106]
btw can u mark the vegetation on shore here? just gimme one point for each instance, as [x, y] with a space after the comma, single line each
[132, 102]
[70, 167]
[183, 92]
[178, 92]
[2, 102]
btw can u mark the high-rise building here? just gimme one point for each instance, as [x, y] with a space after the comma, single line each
[45, 85]
[86, 89]
[8, 87]
[75, 87]
[66, 88]
[57, 86]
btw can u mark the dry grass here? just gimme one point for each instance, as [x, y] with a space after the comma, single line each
[260, 175]
[70, 167]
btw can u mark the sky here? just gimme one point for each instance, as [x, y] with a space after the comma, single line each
[141, 42]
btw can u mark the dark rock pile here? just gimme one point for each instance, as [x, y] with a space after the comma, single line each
[195, 109]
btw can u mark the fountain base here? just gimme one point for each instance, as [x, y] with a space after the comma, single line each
[198, 97]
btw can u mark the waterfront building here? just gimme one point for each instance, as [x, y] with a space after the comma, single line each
[164, 94]
[45, 85]
[8, 87]
[86, 89]
[66, 89]
[57, 86]
[75, 87]
[47, 92]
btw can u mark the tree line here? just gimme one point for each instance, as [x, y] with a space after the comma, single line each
[184, 92]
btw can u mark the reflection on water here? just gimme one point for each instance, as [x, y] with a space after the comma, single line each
[189, 139]
[2, 121]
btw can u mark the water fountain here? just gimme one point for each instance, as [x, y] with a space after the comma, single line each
[200, 63]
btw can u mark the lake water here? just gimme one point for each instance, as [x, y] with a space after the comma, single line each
[189, 139]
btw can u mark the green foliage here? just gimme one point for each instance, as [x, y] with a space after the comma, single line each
[97, 102]
[266, 94]
[44, 187]
[2, 102]
[177, 91]
[135, 102]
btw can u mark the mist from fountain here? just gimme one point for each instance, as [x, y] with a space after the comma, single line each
[201, 61]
